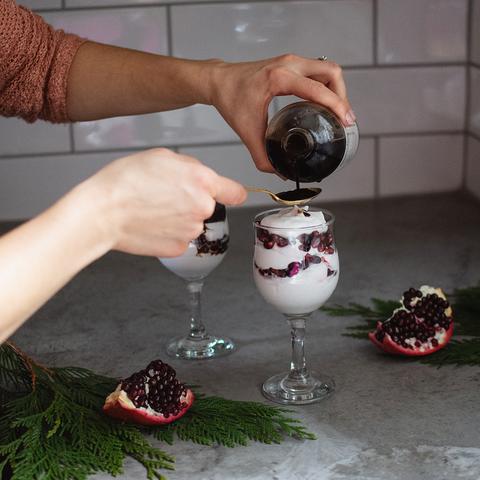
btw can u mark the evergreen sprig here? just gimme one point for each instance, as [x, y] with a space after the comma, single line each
[466, 310]
[215, 420]
[52, 426]
[382, 309]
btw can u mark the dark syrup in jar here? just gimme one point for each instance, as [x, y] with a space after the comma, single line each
[306, 142]
[323, 160]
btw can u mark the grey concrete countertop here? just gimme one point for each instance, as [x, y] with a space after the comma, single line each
[388, 419]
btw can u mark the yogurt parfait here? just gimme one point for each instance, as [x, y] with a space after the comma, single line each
[202, 256]
[295, 261]
[296, 269]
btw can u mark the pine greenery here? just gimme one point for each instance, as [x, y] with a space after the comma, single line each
[466, 310]
[215, 420]
[52, 426]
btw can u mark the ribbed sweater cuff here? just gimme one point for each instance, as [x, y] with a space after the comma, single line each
[56, 101]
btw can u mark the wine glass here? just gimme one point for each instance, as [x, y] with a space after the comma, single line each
[202, 256]
[296, 270]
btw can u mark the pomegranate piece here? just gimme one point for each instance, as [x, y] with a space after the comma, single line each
[422, 325]
[151, 396]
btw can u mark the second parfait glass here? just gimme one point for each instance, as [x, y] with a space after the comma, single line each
[202, 256]
[296, 270]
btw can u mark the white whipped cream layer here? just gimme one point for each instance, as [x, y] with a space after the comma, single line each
[294, 217]
[215, 230]
[308, 290]
[301, 294]
[194, 266]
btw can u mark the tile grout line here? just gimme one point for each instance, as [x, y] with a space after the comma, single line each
[376, 167]
[165, 3]
[225, 143]
[474, 136]
[276, 105]
[375, 31]
[465, 151]
[169, 31]
[72, 138]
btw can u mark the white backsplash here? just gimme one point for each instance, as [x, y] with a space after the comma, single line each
[473, 166]
[475, 31]
[243, 31]
[413, 165]
[472, 173]
[422, 31]
[474, 126]
[406, 75]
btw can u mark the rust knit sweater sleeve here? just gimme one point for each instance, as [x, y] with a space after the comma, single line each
[34, 64]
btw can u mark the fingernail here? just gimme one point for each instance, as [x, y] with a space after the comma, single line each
[350, 117]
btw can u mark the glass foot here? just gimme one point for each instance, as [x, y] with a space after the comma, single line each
[281, 389]
[207, 347]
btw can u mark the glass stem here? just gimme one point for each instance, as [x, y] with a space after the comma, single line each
[298, 369]
[197, 329]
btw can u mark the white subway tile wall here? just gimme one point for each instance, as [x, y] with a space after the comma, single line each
[139, 28]
[475, 32]
[398, 100]
[414, 113]
[472, 173]
[354, 181]
[40, 4]
[19, 137]
[473, 166]
[406, 100]
[475, 101]
[29, 184]
[243, 31]
[422, 31]
[187, 126]
[413, 165]
[105, 3]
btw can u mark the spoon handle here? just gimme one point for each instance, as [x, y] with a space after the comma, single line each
[256, 189]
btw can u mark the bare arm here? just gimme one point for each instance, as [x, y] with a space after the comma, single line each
[122, 207]
[106, 81]
[45, 73]
[40, 256]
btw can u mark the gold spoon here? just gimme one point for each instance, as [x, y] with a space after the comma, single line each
[300, 196]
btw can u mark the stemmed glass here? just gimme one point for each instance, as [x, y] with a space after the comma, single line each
[296, 270]
[203, 255]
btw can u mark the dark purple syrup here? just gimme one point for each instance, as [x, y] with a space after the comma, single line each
[322, 161]
[299, 194]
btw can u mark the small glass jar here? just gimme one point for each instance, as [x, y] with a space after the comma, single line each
[306, 142]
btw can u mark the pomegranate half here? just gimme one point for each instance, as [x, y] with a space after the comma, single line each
[422, 325]
[151, 396]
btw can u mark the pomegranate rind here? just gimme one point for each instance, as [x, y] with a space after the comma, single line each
[389, 346]
[119, 406]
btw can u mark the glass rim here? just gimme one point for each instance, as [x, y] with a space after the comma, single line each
[315, 209]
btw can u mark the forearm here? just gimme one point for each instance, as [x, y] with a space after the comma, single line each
[106, 81]
[42, 255]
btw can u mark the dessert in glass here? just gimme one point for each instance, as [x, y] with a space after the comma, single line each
[202, 256]
[296, 270]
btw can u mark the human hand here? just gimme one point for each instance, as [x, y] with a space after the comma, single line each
[242, 92]
[155, 202]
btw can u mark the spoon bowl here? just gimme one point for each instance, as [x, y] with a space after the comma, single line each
[300, 196]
